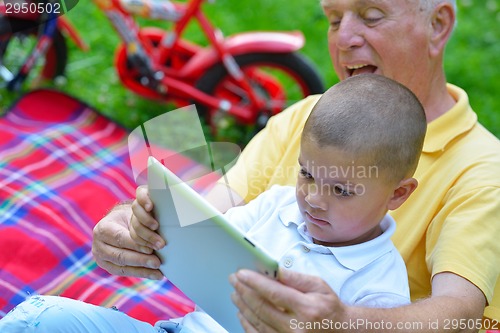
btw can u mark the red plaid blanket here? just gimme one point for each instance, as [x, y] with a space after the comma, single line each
[62, 167]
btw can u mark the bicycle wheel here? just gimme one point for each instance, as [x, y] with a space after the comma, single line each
[17, 46]
[280, 79]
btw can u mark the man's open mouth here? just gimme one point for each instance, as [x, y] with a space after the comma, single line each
[360, 69]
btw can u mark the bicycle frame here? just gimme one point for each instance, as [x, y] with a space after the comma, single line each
[51, 22]
[152, 49]
[41, 48]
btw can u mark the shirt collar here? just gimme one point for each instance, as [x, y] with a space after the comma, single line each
[290, 214]
[456, 121]
[353, 257]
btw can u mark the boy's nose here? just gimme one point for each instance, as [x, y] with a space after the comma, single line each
[315, 198]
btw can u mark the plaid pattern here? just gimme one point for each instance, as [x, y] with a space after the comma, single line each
[62, 167]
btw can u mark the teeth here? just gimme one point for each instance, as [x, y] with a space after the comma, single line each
[356, 66]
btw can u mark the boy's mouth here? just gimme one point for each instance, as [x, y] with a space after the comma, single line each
[315, 220]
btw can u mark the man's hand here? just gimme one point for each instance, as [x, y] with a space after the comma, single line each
[115, 250]
[267, 305]
[281, 306]
[124, 240]
[143, 225]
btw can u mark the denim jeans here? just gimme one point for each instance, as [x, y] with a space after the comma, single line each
[52, 314]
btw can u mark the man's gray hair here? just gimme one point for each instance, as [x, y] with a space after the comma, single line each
[429, 5]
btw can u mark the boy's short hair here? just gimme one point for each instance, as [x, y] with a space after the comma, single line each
[375, 119]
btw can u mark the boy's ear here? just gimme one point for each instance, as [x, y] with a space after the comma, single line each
[402, 192]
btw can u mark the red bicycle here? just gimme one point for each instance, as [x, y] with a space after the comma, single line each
[237, 82]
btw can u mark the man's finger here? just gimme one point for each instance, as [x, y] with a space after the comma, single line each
[303, 282]
[262, 301]
[145, 236]
[256, 315]
[117, 236]
[248, 327]
[143, 272]
[143, 216]
[142, 196]
[124, 257]
[281, 296]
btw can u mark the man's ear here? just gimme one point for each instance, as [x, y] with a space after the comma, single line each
[402, 192]
[442, 23]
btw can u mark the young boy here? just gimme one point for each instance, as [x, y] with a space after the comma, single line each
[359, 149]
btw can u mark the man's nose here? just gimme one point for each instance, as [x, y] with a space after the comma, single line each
[349, 34]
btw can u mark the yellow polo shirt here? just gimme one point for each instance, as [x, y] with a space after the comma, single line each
[451, 223]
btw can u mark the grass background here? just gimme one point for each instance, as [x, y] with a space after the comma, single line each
[472, 56]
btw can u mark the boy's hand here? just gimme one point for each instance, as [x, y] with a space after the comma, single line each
[143, 225]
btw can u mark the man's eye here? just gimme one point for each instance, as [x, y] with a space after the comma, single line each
[334, 24]
[372, 15]
[371, 21]
[334, 19]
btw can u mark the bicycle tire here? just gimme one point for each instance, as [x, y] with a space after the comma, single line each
[54, 62]
[301, 73]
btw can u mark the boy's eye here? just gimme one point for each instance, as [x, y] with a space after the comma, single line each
[341, 191]
[305, 174]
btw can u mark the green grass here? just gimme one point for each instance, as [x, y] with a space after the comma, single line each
[471, 57]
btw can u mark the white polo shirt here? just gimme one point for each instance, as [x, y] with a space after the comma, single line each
[368, 274]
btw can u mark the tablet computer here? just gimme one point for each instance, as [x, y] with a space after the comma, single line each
[203, 247]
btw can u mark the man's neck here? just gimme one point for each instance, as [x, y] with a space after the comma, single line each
[439, 100]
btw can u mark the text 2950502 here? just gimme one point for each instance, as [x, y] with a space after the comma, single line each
[32, 8]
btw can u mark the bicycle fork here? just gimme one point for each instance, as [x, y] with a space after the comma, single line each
[128, 31]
